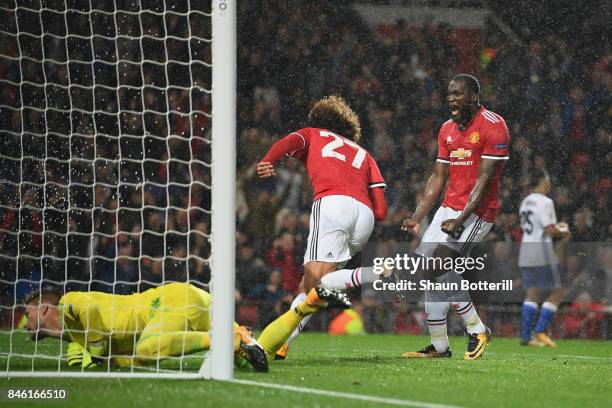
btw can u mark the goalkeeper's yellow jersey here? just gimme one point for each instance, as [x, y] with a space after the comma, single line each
[93, 317]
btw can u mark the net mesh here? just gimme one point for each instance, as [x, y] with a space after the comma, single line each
[105, 158]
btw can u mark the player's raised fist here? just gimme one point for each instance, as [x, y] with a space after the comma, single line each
[411, 226]
[265, 169]
[450, 226]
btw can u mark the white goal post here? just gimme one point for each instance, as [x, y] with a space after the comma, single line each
[118, 165]
[219, 364]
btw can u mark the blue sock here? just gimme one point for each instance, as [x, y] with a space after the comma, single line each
[528, 314]
[546, 314]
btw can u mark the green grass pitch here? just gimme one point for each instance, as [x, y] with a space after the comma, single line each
[577, 373]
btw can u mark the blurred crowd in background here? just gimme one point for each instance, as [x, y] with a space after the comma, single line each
[553, 89]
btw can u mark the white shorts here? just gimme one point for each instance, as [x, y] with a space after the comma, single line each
[339, 227]
[475, 230]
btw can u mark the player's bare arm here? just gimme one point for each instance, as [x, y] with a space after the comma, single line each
[434, 187]
[486, 171]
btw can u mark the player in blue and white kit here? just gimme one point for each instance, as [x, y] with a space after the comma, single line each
[538, 262]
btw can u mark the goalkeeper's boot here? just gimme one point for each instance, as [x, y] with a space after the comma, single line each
[281, 353]
[251, 351]
[477, 345]
[545, 340]
[428, 352]
[322, 298]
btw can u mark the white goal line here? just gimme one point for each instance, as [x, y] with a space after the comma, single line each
[344, 395]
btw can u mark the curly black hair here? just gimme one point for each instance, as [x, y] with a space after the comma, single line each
[334, 114]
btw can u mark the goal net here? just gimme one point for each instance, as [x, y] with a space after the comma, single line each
[110, 177]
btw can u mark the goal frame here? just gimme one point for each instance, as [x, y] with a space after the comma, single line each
[219, 363]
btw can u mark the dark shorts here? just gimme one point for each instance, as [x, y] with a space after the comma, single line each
[543, 277]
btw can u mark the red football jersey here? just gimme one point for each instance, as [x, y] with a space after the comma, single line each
[337, 166]
[486, 136]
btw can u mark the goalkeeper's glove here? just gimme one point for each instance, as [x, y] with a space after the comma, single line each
[78, 355]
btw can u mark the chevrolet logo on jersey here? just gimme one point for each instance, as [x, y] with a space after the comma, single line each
[461, 153]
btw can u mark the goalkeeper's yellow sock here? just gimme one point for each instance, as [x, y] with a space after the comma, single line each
[277, 332]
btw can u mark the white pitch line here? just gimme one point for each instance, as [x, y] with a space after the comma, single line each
[497, 353]
[346, 395]
[540, 356]
[585, 357]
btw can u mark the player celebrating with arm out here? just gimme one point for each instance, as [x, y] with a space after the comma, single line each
[169, 320]
[348, 198]
[538, 262]
[472, 148]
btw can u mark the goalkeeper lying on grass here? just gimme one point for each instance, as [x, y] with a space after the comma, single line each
[170, 320]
